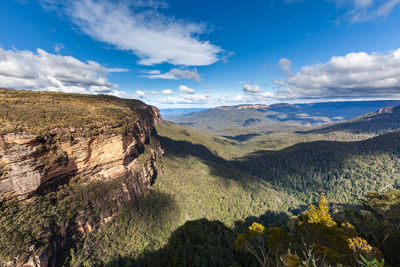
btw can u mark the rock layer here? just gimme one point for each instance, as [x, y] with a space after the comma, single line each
[29, 162]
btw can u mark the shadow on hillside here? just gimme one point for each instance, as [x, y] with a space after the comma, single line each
[211, 243]
[241, 137]
[203, 243]
[303, 167]
[218, 166]
[152, 211]
[185, 148]
[295, 118]
[316, 166]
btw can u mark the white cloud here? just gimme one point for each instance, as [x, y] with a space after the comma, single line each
[140, 27]
[355, 75]
[151, 72]
[50, 4]
[167, 92]
[286, 66]
[118, 70]
[174, 74]
[141, 94]
[188, 99]
[251, 89]
[58, 47]
[217, 100]
[163, 92]
[279, 82]
[364, 10]
[185, 89]
[356, 11]
[363, 3]
[50, 72]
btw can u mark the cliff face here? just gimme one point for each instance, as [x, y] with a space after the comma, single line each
[30, 162]
[94, 142]
[46, 138]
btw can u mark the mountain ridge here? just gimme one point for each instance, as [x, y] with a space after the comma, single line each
[280, 114]
[379, 122]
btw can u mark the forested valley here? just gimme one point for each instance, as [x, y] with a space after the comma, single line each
[253, 198]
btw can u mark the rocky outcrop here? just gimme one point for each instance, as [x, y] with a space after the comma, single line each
[93, 159]
[31, 162]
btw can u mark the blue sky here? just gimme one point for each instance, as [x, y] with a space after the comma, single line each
[204, 53]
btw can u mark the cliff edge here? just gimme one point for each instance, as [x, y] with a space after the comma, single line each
[48, 139]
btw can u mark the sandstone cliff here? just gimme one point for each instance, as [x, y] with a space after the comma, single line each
[98, 146]
[29, 162]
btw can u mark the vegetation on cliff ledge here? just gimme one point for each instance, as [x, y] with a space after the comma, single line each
[40, 113]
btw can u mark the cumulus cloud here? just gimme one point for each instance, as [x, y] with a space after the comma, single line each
[45, 71]
[216, 100]
[151, 72]
[163, 92]
[251, 88]
[364, 10]
[141, 94]
[141, 28]
[279, 82]
[189, 99]
[185, 89]
[167, 92]
[355, 75]
[286, 66]
[352, 76]
[173, 74]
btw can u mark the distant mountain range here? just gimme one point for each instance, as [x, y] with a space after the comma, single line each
[243, 116]
[382, 121]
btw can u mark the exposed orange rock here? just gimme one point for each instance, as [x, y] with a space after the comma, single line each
[26, 167]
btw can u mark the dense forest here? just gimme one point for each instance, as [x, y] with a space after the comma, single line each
[344, 170]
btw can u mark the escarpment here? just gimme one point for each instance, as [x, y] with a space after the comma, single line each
[78, 159]
[31, 160]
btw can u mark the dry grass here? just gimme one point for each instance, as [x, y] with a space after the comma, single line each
[42, 112]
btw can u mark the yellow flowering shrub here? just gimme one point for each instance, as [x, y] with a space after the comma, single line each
[255, 242]
[318, 214]
[349, 229]
[358, 244]
[257, 229]
[336, 243]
